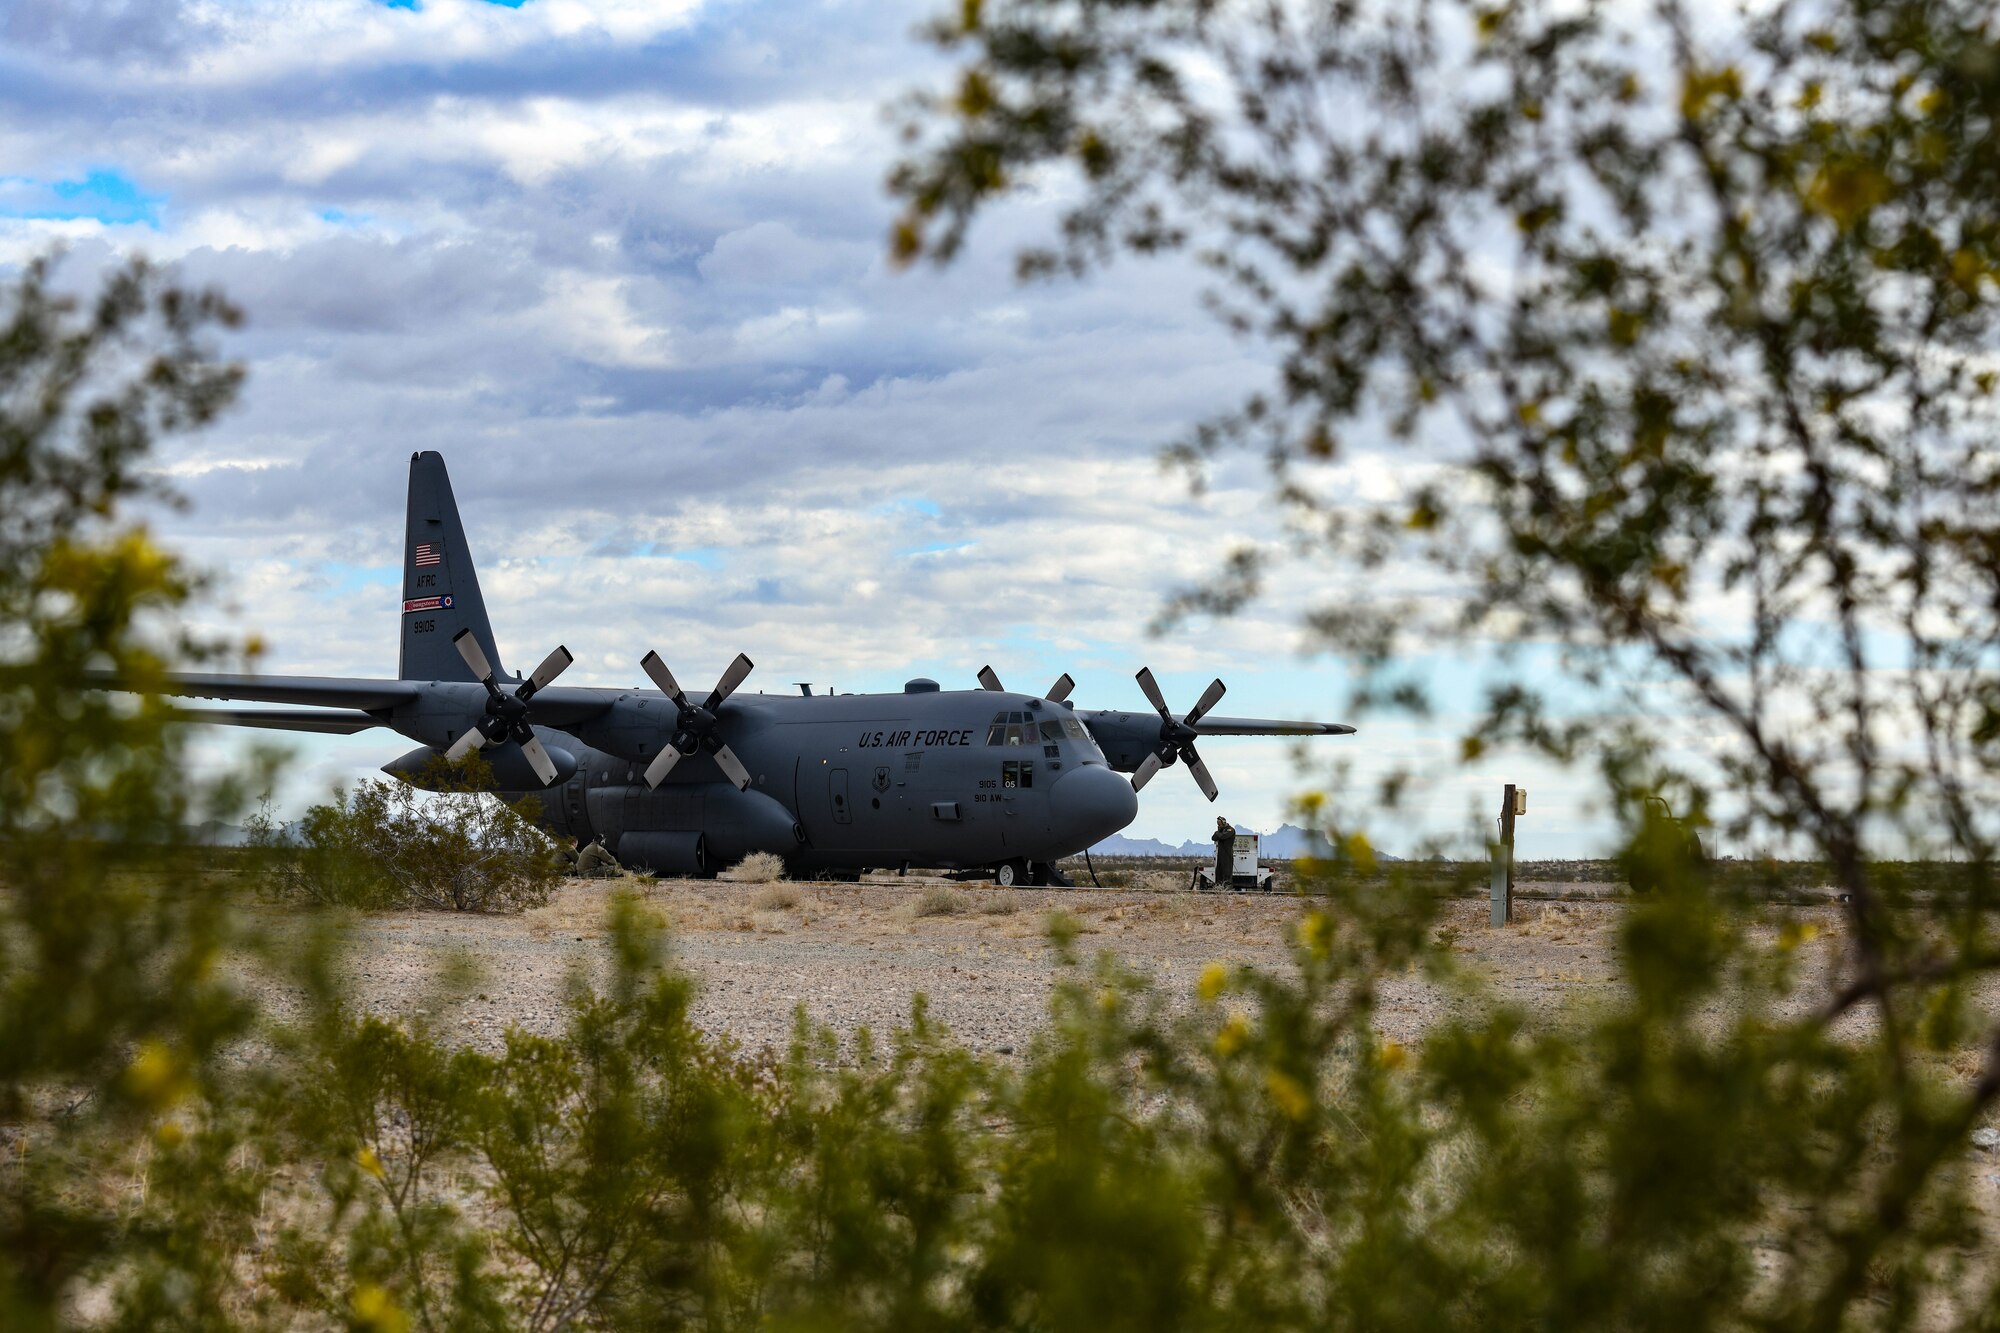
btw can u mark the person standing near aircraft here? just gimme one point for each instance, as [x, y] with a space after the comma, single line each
[1225, 852]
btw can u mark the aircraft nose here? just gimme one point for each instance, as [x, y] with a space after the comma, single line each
[1091, 803]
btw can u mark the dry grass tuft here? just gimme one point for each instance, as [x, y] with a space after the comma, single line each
[999, 903]
[1558, 921]
[756, 868]
[775, 898]
[939, 901]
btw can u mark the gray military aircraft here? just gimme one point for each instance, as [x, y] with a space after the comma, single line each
[981, 779]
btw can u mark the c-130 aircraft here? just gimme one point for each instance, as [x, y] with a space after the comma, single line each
[985, 780]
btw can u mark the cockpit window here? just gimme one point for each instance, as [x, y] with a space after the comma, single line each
[1015, 728]
[1022, 728]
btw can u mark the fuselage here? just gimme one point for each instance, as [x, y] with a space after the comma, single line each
[841, 782]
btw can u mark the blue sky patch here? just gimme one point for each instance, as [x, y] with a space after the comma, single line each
[708, 557]
[909, 504]
[110, 197]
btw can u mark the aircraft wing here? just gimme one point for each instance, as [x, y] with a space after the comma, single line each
[1257, 726]
[553, 707]
[325, 721]
[562, 705]
[319, 691]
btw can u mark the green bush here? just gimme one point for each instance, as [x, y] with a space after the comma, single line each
[387, 844]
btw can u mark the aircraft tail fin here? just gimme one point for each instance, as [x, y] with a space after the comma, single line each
[440, 589]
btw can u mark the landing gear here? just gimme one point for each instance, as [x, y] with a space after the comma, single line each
[1009, 873]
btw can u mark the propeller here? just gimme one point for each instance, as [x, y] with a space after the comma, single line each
[989, 680]
[507, 715]
[1177, 738]
[695, 729]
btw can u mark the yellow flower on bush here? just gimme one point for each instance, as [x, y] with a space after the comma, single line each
[1234, 1033]
[375, 1308]
[1213, 978]
[369, 1162]
[1316, 932]
[1286, 1092]
[1392, 1054]
[157, 1076]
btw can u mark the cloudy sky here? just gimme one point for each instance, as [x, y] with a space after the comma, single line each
[622, 262]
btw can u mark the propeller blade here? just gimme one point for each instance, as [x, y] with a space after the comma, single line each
[1145, 772]
[663, 764]
[465, 745]
[989, 681]
[730, 680]
[1209, 698]
[661, 677]
[732, 767]
[538, 759]
[1060, 690]
[1152, 689]
[1200, 771]
[552, 666]
[475, 657]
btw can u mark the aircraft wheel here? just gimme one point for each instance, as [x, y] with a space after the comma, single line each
[1009, 873]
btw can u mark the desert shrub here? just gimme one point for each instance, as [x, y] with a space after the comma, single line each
[998, 902]
[938, 900]
[388, 844]
[114, 1018]
[775, 898]
[756, 868]
[324, 859]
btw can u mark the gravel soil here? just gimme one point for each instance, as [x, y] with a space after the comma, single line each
[856, 956]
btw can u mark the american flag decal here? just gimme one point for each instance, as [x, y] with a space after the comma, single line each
[429, 555]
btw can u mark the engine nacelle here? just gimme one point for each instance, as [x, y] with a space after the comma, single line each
[672, 854]
[511, 770]
[733, 823]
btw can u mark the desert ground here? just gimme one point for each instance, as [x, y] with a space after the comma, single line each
[856, 956]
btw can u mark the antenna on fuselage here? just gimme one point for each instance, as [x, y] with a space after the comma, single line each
[805, 690]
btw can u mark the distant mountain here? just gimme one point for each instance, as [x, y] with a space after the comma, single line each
[215, 833]
[1291, 842]
[1288, 843]
[1120, 845]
